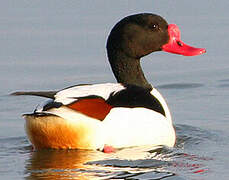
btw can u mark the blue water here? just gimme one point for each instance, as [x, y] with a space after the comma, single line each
[55, 44]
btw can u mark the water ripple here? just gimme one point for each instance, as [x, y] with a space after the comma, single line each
[180, 86]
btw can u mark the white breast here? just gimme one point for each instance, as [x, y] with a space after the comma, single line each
[125, 127]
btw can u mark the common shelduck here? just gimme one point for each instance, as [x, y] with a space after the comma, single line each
[113, 115]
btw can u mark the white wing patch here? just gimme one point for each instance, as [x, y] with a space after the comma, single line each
[70, 95]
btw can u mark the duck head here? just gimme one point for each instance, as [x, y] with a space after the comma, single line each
[141, 34]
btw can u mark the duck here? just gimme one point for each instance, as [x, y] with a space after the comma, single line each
[109, 116]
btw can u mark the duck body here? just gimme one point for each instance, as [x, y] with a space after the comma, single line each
[115, 114]
[128, 113]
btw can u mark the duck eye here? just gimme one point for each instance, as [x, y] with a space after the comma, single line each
[154, 27]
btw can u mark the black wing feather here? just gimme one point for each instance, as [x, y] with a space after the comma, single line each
[136, 96]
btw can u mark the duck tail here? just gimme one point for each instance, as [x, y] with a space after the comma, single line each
[47, 94]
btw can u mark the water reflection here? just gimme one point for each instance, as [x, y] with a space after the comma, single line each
[79, 164]
[53, 164]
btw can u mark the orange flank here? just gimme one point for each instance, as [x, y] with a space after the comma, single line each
[50, 131]
[94, 107]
